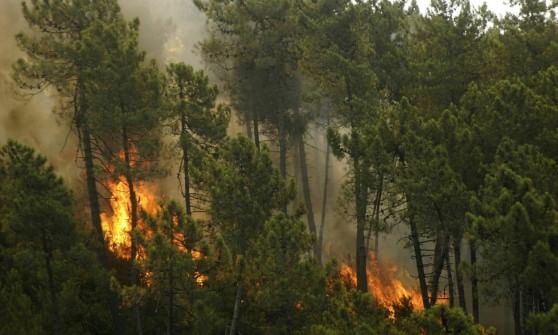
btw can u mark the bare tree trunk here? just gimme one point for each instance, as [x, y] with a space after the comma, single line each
[92, 192]
[255, 122]
[324, 197]
[474, 281]
[459, 275]
[82, 126]
[308, 196]
[248, 116]
[283, 153]
[375, 224]
[361, 200]
[134, 221]
[361, 251]
[282, 150]
[440, 251]
[420, 265]
[236, 311]
[450, 280]
[186, 164]
[517, 312]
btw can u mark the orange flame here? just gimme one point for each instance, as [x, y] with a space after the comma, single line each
[118, 226]
[384, 283]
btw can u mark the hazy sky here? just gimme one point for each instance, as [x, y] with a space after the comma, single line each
[499, 7]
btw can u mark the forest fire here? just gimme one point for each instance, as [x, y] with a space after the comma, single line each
[117, 227]
[384, 284]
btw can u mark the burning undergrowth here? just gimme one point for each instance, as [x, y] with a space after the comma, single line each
[388, 284]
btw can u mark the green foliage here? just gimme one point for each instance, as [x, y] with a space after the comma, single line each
[176, 263]
[51, 280]
[544, 323]
[281, 278]
[191, 97]
[514, 222]
[245, 189]
[440, 320]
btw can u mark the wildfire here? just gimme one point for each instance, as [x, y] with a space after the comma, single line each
[384, 284]
[118, 227]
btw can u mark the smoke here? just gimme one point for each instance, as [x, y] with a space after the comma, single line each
[29, 119]
[169, 31]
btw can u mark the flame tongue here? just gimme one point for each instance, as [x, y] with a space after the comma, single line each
[384, 284]
[117, 228]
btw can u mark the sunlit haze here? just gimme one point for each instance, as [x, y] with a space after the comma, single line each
[499, 7]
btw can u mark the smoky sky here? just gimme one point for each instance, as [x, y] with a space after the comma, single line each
[169, 31]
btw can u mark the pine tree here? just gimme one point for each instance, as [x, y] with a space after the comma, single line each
[49, 270]
[195, 117]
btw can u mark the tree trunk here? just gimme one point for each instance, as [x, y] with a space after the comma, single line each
[517, 312]
[283, 153]
[82, 126]
[474, 281]
[282, 149]
[450, 281]
[92, 193]
[361, 201]
[57, 325]
[324, 197]
[420, 265]
[361, 252]
[186, 164]
[459, 275]
[375, 224]
[440, 251]
[248, 116]
[134, 220]
[236, 311]
[308, 196]
[255, 122]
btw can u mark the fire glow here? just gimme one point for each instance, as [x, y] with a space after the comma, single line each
[384, 284]
[118, 226]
